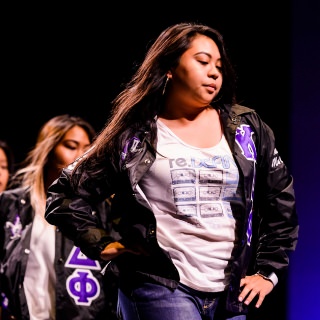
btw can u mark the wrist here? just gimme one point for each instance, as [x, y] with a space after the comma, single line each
[270, 277]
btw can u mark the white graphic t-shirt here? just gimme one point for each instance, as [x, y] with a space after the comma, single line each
[191, 191]
[40, 278]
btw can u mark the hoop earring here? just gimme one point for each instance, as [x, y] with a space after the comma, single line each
[165, 86]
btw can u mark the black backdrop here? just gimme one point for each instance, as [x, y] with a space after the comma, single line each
[74, 59]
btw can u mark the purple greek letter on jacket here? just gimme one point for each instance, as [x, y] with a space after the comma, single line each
[244, 140]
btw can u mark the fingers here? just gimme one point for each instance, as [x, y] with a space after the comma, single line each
[260, 300]
[114, 249]
[254, 286]
[250, 296]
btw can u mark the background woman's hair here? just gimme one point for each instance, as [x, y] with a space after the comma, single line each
[31, 174]
[9, 155]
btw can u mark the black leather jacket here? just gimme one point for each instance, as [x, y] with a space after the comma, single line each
[270, 222]
[75, 274]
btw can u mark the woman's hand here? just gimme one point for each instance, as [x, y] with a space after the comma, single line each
[253, 286]
[113, 249]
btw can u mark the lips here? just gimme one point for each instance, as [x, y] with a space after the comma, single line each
[212, 86]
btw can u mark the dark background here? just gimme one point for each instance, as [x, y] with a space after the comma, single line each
[74, 59]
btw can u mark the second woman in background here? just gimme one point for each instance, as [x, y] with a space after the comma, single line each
[58, 281]
[6, 165]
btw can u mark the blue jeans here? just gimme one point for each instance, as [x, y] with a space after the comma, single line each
[152, 301]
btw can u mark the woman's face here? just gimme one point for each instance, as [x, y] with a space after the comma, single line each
[197, 79]
[4, 171]
[74, 143]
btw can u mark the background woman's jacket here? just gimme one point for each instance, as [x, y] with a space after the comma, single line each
[268, 195]
[73, 299]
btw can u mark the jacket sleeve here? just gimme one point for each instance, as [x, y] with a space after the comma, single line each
[73, 209]
[275, 204]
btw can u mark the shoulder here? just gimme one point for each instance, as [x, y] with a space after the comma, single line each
[245, 114]
[237, 109]
[16, 194]
[14, 202]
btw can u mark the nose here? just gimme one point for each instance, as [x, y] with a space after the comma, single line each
[214, 72]
[81, 151]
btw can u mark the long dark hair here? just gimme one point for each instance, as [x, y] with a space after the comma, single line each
[142, 99]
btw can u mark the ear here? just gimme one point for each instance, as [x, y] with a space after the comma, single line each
[169, 74]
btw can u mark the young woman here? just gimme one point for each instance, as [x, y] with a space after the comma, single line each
[43, 275]
[6, 165]
[203, 204]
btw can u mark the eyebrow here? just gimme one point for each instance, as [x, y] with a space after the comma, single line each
[203, 52]
[207, 54]
[75, 141]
